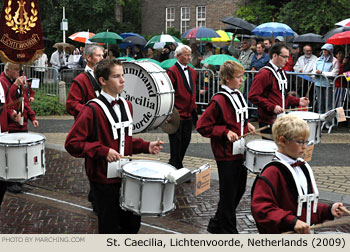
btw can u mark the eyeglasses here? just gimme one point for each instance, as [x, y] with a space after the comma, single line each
[284, 56]
[301, 142]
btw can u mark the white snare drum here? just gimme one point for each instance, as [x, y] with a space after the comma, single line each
[314, 122]
[149, 89]
[22, 156]
[258, 153]
[145, 188]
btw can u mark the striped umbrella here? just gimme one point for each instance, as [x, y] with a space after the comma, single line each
[82, 37]
[200, 32]
[224, 37]
[345, 22]
[160, 41]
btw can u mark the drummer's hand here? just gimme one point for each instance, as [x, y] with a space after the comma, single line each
[155, 147]
[304, 101]
[301, 227]
[31, 99]
[19, 81]
[251, 128]
[336, 212]
[278, 110]
[113, 155]
[16, 116]
[231, 136]
[35, 123]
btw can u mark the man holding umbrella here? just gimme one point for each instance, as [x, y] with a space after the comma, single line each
[183, 78]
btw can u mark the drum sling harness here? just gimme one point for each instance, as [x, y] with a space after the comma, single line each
[301, 196]
[2, 99]
[114, 168]
[282, 82]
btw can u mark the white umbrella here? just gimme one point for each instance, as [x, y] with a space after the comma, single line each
[345, 22]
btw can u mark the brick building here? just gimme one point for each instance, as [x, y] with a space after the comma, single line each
[159, 15]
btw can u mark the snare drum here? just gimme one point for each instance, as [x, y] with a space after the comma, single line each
[145, 189]
[314, 122]
[258, 153]
[151, 93]
[22, 156]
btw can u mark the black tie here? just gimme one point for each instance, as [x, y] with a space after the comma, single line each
[298, 163]
[186, 68]
[114, 102]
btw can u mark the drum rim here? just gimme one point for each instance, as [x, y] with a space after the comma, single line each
[24, 144]
[258, 152]
[296, 113]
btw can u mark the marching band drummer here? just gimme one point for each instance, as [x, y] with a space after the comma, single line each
[269, 88]
[225, 120]
[102, 133]
[285, 195]
[5, 113]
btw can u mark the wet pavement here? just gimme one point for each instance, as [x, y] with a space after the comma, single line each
[56, 203]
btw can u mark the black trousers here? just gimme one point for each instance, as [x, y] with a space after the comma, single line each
[232, 184]
[179, 142]
[3, 186]
[111, 218]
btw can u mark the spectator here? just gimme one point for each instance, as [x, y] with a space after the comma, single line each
[138, 53]
[165, 53]
[295, 53]
[268, 44]
[306, 62]
[327, 66]
[260, 58]
[246, 54]
[57, 61]
[40, 66]
[195, 56]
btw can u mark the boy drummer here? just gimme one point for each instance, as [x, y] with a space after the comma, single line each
[102, 133]
[225, 120]
[285, 195]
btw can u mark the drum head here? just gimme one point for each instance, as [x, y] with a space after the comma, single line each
[262, 145]
[148, 169]
[20, 138]
[306, 115]
[144, 82]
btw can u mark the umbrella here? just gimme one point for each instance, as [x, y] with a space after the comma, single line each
[135, 40]
[106, 37]
[345, 22]
[342, 38]
[200, 32]
[125, 58]
[82, 37]
[64, 45]
[308, 38]
[124, 35]
[334, 31]
[170, 62]
[219, 59]
[238, 22]
[236, 30]
[150, 60]
[160, 41]
[224, 37]
[273, 29]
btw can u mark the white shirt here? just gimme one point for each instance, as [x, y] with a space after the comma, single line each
[187, 74]
[116, 107]
[299, 172]
[90, 70]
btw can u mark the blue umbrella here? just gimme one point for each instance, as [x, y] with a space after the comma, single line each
[124, 35]
[273, 29]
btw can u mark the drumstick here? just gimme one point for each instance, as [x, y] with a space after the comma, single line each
[308, 91]
[257, 130]
[269, 136]
[138, 158]
[296, 109]
[158, 143]
[344, 210]
[338, 222]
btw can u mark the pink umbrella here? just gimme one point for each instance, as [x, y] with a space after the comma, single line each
[345, 22]
[342, 38]
[82, 37]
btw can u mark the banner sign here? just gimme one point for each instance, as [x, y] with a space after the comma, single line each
[21, 39]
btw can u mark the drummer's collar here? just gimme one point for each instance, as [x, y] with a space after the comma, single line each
[274, 66]
[182, 66]
[108, 97]
[285, 158]
[228, 89]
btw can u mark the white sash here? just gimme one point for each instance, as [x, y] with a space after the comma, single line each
[2, 94]
[282, 83]
[308, 198]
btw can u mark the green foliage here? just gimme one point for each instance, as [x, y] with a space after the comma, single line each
[257, 12]
[47, 105]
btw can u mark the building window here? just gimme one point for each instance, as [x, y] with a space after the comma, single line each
[185, 19]
[170, 18]
[201, 16]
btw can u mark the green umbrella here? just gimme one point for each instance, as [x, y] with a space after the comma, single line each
[150, 60]
[106, 37]
[160, 41]
[170, 62]
[125, 58]
[219, 59]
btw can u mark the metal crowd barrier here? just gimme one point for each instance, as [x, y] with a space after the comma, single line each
[68, 75]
